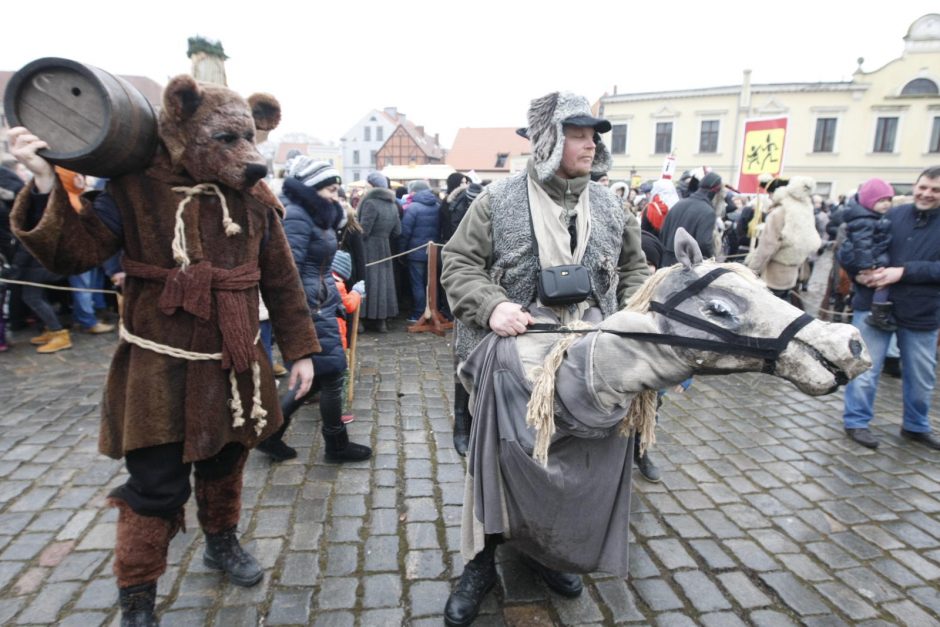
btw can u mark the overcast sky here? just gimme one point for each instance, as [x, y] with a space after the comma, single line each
[471, 63]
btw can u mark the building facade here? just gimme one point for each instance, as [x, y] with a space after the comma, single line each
[883, 123]
[361, 142]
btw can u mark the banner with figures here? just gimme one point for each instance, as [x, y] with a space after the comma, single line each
[763, 151]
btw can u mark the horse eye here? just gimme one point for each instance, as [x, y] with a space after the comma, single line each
[718, 308]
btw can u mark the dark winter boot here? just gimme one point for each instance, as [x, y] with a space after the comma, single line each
[274, 446]
[3, 331]
[339, 449]
[219, 502]
[648, 469]
[140, 549]
[881, 318]
[225, 553]
[137, 605]
[892, 367]
[478, 578]
[462, 419]
[565, 584]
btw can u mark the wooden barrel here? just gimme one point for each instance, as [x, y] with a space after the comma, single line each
[94, 122]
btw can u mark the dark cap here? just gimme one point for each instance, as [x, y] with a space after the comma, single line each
[598, 124]
[711, 181]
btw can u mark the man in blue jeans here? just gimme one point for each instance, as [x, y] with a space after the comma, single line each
[913, 276]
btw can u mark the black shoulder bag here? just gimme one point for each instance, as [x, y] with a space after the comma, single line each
[559, 285]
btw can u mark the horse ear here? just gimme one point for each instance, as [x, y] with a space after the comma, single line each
[687, 250]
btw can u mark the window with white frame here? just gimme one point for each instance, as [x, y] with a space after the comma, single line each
[355, 157]
[708, 136]
[886, 130]
[935, 136]
[618, 139]
[379, 133]
[663, 143]
[825, 138]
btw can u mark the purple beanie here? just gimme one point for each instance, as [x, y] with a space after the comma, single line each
[874, 190]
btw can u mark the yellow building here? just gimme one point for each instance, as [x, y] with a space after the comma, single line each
[883, 123]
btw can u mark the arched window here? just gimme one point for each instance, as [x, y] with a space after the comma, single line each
[920, 87]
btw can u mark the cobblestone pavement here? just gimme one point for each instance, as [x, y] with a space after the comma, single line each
[766, 514]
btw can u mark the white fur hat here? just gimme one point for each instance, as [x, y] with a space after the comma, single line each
[547, 117]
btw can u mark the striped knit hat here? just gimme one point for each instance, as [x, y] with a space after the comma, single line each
[342, 264]
[315, 174]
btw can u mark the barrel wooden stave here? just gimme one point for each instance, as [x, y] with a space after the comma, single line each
[94, 122]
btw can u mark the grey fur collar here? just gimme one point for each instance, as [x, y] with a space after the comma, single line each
[547, 135]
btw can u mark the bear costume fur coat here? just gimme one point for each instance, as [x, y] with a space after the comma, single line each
[207, 303]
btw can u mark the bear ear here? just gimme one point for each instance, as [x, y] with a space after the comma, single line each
[182, 97]
[266, 111]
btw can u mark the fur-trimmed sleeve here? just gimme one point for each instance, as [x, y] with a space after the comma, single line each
[64, 240]
[284, 296]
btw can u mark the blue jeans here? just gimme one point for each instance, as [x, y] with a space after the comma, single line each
[83, 308]
[918, 363]
[418, 277]
[267, 339]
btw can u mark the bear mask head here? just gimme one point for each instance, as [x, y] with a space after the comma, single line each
[209, 131]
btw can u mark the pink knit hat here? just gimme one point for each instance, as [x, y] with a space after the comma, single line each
[874, 190]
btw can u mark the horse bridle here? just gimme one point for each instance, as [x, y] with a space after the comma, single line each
[730, 343]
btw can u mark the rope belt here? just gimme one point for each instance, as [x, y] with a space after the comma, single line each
[258, 413]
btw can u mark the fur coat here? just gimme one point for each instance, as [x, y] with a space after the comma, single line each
[150, 398]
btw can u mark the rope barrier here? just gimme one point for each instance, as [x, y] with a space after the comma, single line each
[402, 254]
[59, 287]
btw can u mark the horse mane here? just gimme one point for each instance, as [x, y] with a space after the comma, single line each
[641, 299]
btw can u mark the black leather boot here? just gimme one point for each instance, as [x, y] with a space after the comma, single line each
[274, 446]
[648, 469]
[137, 604]
[223, 552]
[462, 419]
[339, 449]
[565, 584]
[478, 578]
[881, 318]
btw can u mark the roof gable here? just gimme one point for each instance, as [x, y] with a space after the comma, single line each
[481, 148]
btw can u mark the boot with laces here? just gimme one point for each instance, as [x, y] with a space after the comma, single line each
[477, 579]
[225, 553]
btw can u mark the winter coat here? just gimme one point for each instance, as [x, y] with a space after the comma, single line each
[420, 225]
[350, 240]
[867, 238]
[10, 186]
[310, 224]
[452, 211]
[695, 214]
[152, 398]
[351, 300]
[378, 215]
[915, 246]
[489, 259]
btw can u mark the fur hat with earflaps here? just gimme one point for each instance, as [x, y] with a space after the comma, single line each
[547, 117]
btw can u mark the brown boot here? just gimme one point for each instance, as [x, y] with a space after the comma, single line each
[42, 338]
[59, 340]
[219, 500]
[141, 545]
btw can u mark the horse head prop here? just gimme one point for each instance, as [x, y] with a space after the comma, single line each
[719, 318]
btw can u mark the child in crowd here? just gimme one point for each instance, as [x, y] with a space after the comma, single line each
[342, 269]
[867, 238]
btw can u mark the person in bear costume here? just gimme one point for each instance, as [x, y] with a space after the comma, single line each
[189, 383]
